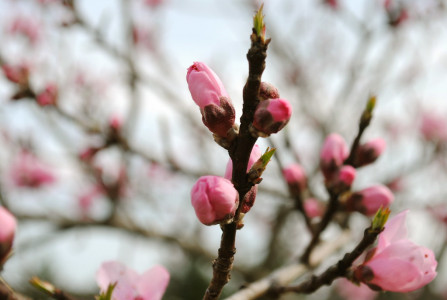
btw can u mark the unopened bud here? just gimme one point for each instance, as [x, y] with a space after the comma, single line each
[209, 94]
[313, 208]
[214, 199]
[332, 155]
[48, 96]
[296, 178]
[369, 200]
[272, 115]
[369, 152]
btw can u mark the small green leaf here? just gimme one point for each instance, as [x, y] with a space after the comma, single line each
[108, 294]
[258, 23]
[371, 104]
[380, 218]
[265, 158]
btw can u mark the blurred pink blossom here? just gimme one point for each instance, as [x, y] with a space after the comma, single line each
[351, 291]
[295, 177]
[17, 73]
[151, 285]
[26, 26]
[434, 127]
[313, 208]
[8, 226]
[214, 199]
[369, 200]
[346, 176]
[153, 3]
[48, 96]
[369, 152]
[397, 264]
[28, 171]
[333, 154]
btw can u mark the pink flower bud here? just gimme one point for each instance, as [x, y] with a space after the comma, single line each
[295, 177]
[369, 200]
[214, 199]
[434, 127]
[397, 264]
[332, 3]
[209, 94]
[130, 285]
[249, 199]
[26, 26]
[272, 115]
[28, 171]
[346, 175]
[17, 74]
[8, 226]
[48, 96]
[333, 154]
[254, 156]
[268, 91]
[313, 208]
[369, 152]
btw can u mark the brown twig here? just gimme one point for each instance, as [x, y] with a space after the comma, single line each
[338, 270]
[287, 274]
[239, 152]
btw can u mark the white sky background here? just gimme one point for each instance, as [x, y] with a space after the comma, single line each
[217, 33]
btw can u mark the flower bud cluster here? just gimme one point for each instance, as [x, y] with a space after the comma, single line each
[334, 152]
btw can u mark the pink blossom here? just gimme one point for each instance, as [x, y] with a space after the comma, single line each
[151, 285]
[347, 175]
[369, 152]
[332, 3]
[214, 199]
[351, 291]
[254, 156]
[17, 73]
[272, 115]
[434, 127]
[48, 96]
[8, 226]
[116, 122]
[26, 26]
[28, 171]
[153, 3]
[333, 154]
[397, 264]
[209, 94]
[205, 86]
[369, 200]
[313, 208]
[295, 177]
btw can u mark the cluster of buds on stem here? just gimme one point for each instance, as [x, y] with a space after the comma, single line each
[338, 177]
